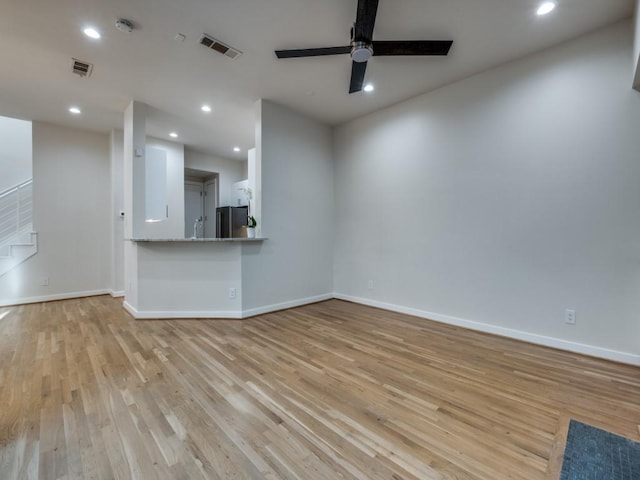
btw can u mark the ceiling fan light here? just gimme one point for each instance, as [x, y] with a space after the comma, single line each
[361, 52]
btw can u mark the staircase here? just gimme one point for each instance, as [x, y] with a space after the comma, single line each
[18, 242]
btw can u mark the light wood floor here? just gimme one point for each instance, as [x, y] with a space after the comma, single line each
[327, 391]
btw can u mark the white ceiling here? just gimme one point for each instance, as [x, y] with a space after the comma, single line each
[39, 38]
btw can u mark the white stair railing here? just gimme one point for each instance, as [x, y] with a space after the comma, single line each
[16, 211]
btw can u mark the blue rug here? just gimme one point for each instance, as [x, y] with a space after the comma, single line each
[594, 454]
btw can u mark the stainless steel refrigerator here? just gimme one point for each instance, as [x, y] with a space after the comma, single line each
[231, 222]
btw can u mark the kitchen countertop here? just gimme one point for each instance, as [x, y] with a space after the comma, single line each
[198, 240]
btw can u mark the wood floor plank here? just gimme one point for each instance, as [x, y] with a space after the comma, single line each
[331, 390]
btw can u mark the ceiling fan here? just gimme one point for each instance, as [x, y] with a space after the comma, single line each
[362, 46]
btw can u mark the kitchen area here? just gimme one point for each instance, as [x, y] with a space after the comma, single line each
[206, 216]
[188, 229]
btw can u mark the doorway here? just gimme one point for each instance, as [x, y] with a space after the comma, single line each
[200, 203]
[210, 205]
[193, 209]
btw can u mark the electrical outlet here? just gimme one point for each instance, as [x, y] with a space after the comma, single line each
[44, 282]
[232, 293]
[570, 317]
[370, 285]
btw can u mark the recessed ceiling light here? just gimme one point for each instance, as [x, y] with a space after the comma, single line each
[368, 88]
[236, 149]
[545, 8]
[173, 135]
[91, 32]
[75, 110]
[205, 108]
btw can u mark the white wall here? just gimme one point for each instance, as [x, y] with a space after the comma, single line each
[295, 153]
[135, 145]
[71, 216]
[135, 117]
[636, 47]
[188, 280]
[504, 198]
[116, 154]
[245, 167]
[15, 152]
[636, 19]
[229, 171]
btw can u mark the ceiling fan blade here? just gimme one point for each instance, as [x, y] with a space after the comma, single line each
[357, 76]
[412, 47]
[365, 20]
[313, 52]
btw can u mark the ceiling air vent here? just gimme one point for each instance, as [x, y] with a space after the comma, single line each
[219, 47]
[81, 68]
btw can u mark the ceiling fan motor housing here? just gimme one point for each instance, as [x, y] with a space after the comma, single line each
[361, 52]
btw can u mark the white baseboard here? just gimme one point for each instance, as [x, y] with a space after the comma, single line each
[116, 293]
[616, 356]
[147, 314]
[160, 314]
[51, 298]
[283, 306]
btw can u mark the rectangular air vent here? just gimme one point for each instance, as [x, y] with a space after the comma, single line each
[81, 68]
[219, 47]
